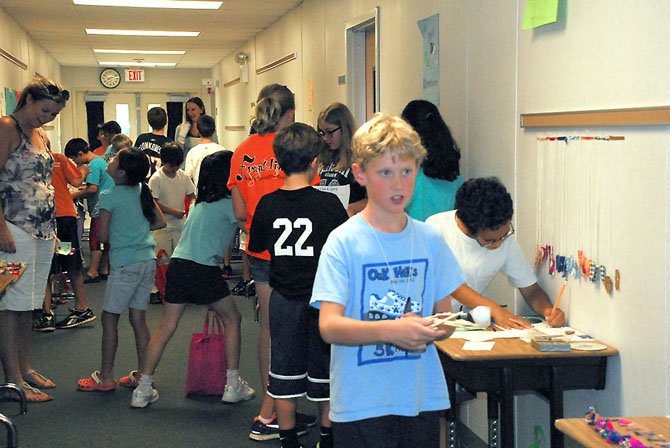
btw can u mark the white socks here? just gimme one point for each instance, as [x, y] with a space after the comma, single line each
[232, 377]
[145, 383]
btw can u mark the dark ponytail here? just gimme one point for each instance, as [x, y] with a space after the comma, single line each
[136, 166]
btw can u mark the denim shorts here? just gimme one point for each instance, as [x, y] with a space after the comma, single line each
[27, 293]
[129, 287]
[260, 269]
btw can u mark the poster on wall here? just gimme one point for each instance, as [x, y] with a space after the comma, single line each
[10, 100]
[430, 31]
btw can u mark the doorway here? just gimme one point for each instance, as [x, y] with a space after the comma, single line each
[129, 109]
[362, 46]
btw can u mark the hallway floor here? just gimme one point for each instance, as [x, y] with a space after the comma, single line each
[80, 419]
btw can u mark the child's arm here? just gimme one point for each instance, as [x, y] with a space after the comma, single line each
[538, 300]
[239, 207]
[410, 333]
[85, 192]
[179, 214]
[159, 222]
[103, 225]
[471, 298]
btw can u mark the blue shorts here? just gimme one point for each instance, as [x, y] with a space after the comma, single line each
[299, 357]
[260, 269]
[129, 287]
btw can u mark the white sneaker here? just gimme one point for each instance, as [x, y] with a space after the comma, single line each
[242, 392]
[141, 399]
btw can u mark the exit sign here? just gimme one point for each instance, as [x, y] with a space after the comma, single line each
[134, 75]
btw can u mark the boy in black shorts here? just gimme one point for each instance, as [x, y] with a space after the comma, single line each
[293, 223]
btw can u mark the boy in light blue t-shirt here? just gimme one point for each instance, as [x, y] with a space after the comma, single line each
[385, 372]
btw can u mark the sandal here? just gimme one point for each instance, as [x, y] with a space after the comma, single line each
[131, 380]
[38, 380]
[89, 279]
[33, 395]
[95, 384]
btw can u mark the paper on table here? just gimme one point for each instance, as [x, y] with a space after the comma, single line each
[488, 335]
[472, 345]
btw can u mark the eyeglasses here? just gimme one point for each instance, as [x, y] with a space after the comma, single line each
[328, 132]
[53, 90]
[489, 243]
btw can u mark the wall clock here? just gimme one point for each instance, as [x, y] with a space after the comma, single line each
[110, 78]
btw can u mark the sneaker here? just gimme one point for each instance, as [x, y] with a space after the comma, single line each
[261, 432]
[155, 298]
[251, 289]
[141, 399]
[242, 392]
[227, 272]
[45, 323]
[76, 318]
[239, 289]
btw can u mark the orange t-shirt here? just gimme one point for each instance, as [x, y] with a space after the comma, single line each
[65, 172]
[254, 170]
[100, 151]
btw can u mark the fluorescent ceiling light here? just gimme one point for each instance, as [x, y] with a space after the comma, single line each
[143, 33]
[99, 50]
[136, 64]
[172, 4]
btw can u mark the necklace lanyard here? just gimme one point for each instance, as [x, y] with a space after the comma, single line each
[408, 303]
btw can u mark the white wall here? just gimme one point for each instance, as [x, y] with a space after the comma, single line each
[601, 54]
[609, 55]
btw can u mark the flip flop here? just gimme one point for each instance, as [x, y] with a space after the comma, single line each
[89, 279]
[95, 384]
[38, 380]
[32, 394]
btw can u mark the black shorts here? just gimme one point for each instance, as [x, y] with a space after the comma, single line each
[66, 231]
[191, 282]
[299, 358]
[390, 430]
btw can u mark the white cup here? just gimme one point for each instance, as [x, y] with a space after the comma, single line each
[482, 316]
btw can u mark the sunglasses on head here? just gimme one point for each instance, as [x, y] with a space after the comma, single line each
[53, 90]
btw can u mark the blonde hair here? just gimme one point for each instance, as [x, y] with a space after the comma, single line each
[386, 134]
[43, 88]
[338, 114]
[274, 101]
[121, 141]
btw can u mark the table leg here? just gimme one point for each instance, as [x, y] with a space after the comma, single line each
[506, 409]
[492, 413]
[555, 397]
[451, 416]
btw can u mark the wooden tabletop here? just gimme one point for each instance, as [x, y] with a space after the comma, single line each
[513, 348]
[582, 432]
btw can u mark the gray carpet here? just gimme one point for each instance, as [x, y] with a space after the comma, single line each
[79, 419]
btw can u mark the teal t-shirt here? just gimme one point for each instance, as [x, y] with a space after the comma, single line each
[98, 176]
[207, 233]
[129, 235]
[432, 196]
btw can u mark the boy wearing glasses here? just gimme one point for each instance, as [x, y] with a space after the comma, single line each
[478, 233]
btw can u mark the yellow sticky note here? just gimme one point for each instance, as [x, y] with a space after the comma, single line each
[539, 12]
